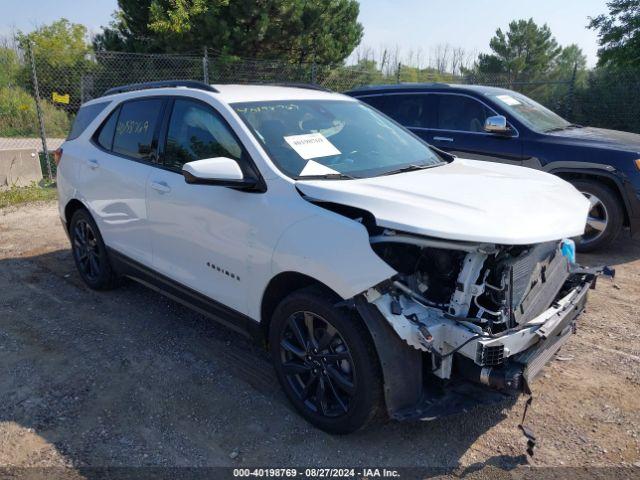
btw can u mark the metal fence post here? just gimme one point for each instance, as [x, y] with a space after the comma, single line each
[36, 93]
[205, 66]
[572, 86]
[314, 73]
[398, 72]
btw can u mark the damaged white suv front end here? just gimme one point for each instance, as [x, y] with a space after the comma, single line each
[487, 289]
[502, 311]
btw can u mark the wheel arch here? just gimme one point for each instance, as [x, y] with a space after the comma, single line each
[72, 207]
[604, 177]
[282, 285]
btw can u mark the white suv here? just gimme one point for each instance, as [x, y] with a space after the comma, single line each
[381, 273]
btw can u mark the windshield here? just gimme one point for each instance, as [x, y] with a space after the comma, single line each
[333, 139]
[531, 113]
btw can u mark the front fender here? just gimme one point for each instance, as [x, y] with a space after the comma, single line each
[333, 250]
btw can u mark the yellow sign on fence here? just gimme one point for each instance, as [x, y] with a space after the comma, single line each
[59, 98]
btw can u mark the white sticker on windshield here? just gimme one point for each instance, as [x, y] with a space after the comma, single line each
[314, 168]
[312, 145]
[508, 99]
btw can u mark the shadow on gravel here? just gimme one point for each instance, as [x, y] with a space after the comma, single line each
[622, 250]
[130, 378]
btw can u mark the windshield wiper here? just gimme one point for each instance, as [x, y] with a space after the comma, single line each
[326, 176]
[408, 168]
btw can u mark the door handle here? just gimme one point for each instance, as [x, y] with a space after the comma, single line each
[93, 164]
[443, 139]
[161, 187]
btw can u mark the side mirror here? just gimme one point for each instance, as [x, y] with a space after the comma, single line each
[216, 171]
[497, 124]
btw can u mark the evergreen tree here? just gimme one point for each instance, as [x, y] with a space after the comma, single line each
[322, 31]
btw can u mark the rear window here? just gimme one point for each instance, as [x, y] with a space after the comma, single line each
[135, 128]
[105, 135]
[85, 116]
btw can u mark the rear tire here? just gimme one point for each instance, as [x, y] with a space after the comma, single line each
[325, 361]
[89, 252]
[606, 215]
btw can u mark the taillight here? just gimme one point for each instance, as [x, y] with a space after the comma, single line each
[57, 156]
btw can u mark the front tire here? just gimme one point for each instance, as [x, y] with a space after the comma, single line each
[606, 215]
[90, 253]
[325, 361]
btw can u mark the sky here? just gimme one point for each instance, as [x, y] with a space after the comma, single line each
[409, 24]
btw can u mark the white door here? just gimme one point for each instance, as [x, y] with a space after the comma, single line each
[201, 234]
[114, 177]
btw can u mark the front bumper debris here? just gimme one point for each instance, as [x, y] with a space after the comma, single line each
[525, 352]
[554, 333]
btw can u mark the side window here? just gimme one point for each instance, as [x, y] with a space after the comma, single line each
[196, 132]
[85, 116]
[135, 127]
[105, 134]
[409, 110]
[464, 114]
[377, 101]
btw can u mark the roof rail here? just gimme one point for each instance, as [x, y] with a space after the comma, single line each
[310, 86]
[401, 86]
[161, 84]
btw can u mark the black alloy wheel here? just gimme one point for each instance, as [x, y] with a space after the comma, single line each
[90, 253]
[317, 364]
[326, 361]
[86, 250]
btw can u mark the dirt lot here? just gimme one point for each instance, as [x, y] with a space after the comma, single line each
[129, 378]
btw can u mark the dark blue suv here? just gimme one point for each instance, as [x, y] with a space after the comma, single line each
[500, 125]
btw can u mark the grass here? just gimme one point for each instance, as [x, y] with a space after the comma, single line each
[33, 193]
[18, 116]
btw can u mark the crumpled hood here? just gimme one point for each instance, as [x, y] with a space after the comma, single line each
[602, 137]
[465, 200]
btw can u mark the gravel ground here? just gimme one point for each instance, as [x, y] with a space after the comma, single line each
[129, 378]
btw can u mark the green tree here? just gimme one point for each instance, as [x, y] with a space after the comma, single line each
[61, 54]
[524, 52]
[570, 60]
[9, 66]
[324, 31]
[619, 34]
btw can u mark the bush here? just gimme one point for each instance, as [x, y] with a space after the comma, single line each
[18, 116]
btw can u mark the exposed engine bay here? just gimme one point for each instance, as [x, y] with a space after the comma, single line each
[479, 306]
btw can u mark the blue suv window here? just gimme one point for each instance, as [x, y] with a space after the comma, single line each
[414, 110]
[461, 113]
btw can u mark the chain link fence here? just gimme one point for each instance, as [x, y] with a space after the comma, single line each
[59, 84]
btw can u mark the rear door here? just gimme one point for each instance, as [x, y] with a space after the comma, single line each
[114, 177]
[457, 126]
